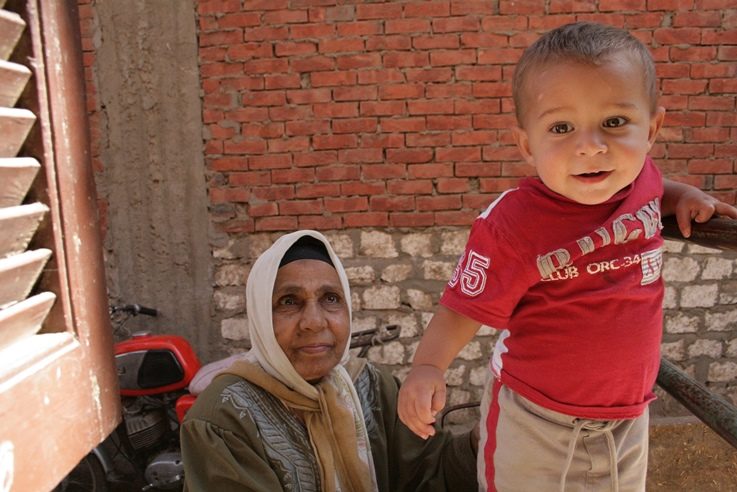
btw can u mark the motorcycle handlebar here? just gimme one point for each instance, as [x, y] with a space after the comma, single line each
[136, 309]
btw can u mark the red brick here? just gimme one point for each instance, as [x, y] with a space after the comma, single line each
[282, 81]
[317, 190]
[312, 64]
[474, 138]
[710, 135]
[432, 203]
[365, 28]
[276, 224]
[219, 132]
[710, 166]
[361, 60]
[336, 110]
[427, 9]
[722, 118]
[220, 38]
[308, 127]
[295, 48]
[569, 6]
[239, 83]
[267, 130]
[413, 124]
[518, 169]
[338, 173]
[439, 58]
[718, 36]
[360, 188]
[384, 171]
[449, 122]
[497, 185]
[455, 24]
[248, 146]
[382, 140]
[727, 53]
[263, 209]
[301, 207]
[477, 169]
[483, 40]
[458, 154]
[354, 125]
[355, 93]
[301, 31]
[353, 204]
[287, 176]
[429, 75]
[672, 5]
[406, 26]
[266, 33]
[725, 150]
[698, 19]
[413, 219]
[290, 16]
[493, 121]
[251, 178]
[238, 19]
[320, 142]
[221, 69]
[291, 144]
[693, 53]
[406, 59]
[382, 108]
[429, 170]
[467, 7]
[341, 45]
[213, 54]
[410, 187]
[499, 56]
[366, 219]
[430, 107]
[321, 79]
[428, 139]
[690, 118]
[381, 11]
[452, 185]
[402, 91]
[272, 193]
[379, 76]
[360, 156]
[315, 158]
[440, 41]
[683, 86]
[227, 164]
[439, 91]
[725, 182]
[409, 155]
[721, 86]
[239, 226]
[690, 150]
[391, 203]
[286, 113]
[478, 202]
[271, 161]
[477, 73]
[264, 98]
[673, 70]
[321, 222]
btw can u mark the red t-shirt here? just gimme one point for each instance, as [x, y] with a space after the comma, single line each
[576, 289]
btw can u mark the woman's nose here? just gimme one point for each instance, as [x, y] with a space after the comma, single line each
[313, 317]
[590, 143]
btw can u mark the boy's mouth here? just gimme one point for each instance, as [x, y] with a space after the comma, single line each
[594, 176]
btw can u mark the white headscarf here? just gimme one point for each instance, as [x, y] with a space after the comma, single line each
[266, 350]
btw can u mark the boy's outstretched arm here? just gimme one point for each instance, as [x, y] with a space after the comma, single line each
[422, 394]
[690, 203]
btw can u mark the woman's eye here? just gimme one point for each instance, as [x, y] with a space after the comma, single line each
[560, 128]
[615, 122]
[332, 298]
[287, 301]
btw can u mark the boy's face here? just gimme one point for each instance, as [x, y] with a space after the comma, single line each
[588, 128]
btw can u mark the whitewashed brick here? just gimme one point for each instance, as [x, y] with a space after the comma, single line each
[479, 375]
[455, 376]
[716, 268]
[419, 300]
[356, 304]
[258, 243]
[722, 372]
[361, 275]
[673, 350]
[732, 348]
[721, 321]
[378, 245]
[456, 396]
[393, 353]
[670, 299]
[682, 323]
[438, 270]
[396, 273]
[365, 323]
[680, 269]
[696, 249]
[472, 351]
[381, 297]
[699, 295]
[486, 331]
[229, 301]
[232, 249]
[231, 274]
[234, 329]
[342, 245]
[709, 348]
[453, 243]
[409, 327]
[417, 245]
[671, 246]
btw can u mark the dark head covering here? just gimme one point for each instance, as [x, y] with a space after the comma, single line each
[306, 248]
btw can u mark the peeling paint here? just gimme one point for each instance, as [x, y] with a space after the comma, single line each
[96, 400]
[7, 465]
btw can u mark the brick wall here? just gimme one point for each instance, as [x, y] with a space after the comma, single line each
[397, 114]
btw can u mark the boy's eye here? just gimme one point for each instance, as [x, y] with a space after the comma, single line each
[561, 128]
[615, 122]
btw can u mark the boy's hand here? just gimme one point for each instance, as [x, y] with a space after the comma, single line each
[421, 397]
[697, 205]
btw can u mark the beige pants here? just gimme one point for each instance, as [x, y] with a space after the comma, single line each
[527, 448]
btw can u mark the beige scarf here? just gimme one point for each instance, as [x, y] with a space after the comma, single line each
[331, 409]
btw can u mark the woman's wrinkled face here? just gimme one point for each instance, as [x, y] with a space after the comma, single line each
[310, 316]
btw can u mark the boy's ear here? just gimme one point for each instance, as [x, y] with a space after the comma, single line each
[656, 123]
[523, 143]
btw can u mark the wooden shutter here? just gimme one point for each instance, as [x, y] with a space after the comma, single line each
[58, 386]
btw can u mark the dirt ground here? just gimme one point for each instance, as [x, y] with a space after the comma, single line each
[690, 457]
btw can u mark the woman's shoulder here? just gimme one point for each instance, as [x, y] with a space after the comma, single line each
[226, 395]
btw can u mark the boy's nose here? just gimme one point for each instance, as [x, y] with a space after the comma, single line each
[590, 143]
[312, 317]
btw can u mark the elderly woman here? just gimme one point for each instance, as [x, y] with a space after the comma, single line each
[297, 412]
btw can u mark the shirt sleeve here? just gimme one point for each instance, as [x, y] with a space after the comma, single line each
[490, 278]
[216, 459]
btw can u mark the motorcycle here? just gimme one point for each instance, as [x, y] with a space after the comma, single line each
[154, 371]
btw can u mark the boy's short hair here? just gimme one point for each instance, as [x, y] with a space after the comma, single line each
[582, 42]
